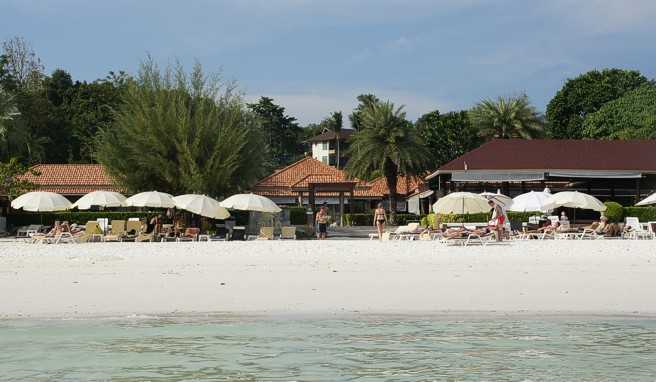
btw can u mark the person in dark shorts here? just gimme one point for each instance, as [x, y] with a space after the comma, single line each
[322, 222]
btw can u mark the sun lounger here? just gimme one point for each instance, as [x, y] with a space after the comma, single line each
[238, 233]
[634, 229]
[132, 230]
[288, 233]
[27, 231]
[117, 232]
[221, 234]
[266, 233]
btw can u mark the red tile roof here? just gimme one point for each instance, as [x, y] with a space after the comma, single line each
[71, 179]
[286, 182]
[546, 154]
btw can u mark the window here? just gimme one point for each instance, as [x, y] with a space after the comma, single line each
[324, 159]
[324, 145]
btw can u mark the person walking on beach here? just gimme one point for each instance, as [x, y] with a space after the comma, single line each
[322, 222]
[380, 218]
[498, 220]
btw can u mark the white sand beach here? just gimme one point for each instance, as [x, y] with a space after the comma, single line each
[109, 279]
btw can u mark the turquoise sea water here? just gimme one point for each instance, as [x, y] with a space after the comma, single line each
[377, 348]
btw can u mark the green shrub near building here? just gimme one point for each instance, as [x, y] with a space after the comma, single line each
[614, 212]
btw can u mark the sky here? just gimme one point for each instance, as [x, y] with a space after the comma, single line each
[315, 56]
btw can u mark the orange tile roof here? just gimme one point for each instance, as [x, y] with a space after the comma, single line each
[71, 179]
[286, 182]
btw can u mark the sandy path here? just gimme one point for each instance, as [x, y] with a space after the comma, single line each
[326, 277]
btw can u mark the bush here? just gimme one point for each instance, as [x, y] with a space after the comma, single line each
[297, 216]
[434, 220]
[614, 212]
[523, 216]
[644, 214]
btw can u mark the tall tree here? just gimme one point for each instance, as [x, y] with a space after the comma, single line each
[23, 69]
[447, 136]
[632, 116]
[8, 112]
[182, 133]
[284, 137]
[11, 185]
[512, 117]
[584, 95]
[386, 143]
[364, 101]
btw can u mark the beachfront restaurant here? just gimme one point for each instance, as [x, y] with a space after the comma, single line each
[621, 171]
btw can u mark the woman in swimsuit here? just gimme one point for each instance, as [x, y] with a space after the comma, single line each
[380, 218]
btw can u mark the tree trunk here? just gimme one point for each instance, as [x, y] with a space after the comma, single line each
[391, 176]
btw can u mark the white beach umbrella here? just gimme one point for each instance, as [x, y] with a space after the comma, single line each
[530, 202]
[505, 201]
[100, 199]
[250, 202]
[574, 199]
[152, 199]
[461, 203]
[41, 201]
[201, 205]
[651, 199]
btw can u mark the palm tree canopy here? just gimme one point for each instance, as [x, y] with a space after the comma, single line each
[511, 117]
[386, 138]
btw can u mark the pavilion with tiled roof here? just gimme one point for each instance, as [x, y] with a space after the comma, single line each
[308, 179]
[71, 180]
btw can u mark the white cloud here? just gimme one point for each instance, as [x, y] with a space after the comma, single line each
[310, 107]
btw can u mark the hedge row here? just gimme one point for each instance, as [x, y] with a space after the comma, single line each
[81, 217]
[434, 220]
[297, 216]
[368, 219]
[644, 214]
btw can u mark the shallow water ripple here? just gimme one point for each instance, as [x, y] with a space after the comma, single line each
[363, 349]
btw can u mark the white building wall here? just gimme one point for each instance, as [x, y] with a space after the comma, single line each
[321, 151]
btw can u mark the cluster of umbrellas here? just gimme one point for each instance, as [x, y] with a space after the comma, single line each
[41, 201]
[471, 203]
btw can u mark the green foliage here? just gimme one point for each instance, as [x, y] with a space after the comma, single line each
[80, 217]
[364, 101]
[614, 212]
[386, 143]
[632, 116]
[368, 219]
[297, 216]
[283, 136]
[434, 220]
[512, 117]
[11, 185]
[585, 95]
[644, 214]
[447, 136]
[182, 133]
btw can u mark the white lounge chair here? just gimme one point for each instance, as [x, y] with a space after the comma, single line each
[636, 231]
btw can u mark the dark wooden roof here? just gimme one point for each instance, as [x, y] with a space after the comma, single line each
[538, 154]
[329, 135]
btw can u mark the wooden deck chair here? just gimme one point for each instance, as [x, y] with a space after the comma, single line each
[266, 233]
[288, 233]
[91, 230]
[132, 230]
[118, 231]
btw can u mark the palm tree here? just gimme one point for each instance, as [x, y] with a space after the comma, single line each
[336, 123]
[386, 143]
[512, 117]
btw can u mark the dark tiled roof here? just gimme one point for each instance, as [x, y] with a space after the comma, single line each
[538, 154]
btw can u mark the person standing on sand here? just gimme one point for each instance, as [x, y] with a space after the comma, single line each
[322, 222]
[380, 219]
[498, 219]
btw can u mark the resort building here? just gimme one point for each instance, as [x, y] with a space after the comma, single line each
[324, 146]
[311, 182]
[71, 180]
[622, 171]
